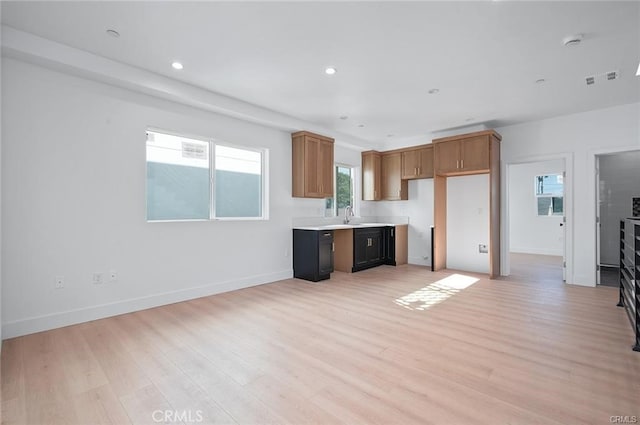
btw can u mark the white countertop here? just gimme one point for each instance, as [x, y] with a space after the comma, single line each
[345, 226]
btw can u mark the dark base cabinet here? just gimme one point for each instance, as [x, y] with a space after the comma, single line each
[312, 254]
[368, 248]
[390, 245]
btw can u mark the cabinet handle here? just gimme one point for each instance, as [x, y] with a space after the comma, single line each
[392, 232]
[462, 163]
[457, 164]
[415, 171]
[419, 168]
[333, 247]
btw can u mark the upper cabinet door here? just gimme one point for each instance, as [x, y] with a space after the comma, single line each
[417, 163]
[325, 171]
[371, 176]
[447, 157]
[425, 169]
[393, 187]
[312, 168]
[410, 164]
[312, 165]
[474, 154]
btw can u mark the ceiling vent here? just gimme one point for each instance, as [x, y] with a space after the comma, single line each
[600, 78]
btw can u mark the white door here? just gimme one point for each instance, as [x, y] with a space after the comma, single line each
[563, 224]
[598, 223]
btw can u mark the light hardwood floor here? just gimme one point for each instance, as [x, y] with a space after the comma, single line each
[383, 346]
[541, 269]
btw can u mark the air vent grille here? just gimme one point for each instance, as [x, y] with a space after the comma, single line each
[599, 78]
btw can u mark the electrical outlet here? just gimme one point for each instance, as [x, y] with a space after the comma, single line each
[113, 276]
[97, 278]
[482, 249]
[59, 282]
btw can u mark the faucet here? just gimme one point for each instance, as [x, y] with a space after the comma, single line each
[348, 212]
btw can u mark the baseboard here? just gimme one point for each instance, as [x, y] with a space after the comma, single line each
[536, 251]
[86, 314]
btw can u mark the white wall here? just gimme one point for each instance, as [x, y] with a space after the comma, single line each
[468, 222]
[530, 233]
[619, 183]
[419, 209]
[581, 137]
[73, 203]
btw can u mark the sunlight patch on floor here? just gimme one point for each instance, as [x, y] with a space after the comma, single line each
[436, 292]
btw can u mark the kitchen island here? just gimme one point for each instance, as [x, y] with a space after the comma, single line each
[353, 247]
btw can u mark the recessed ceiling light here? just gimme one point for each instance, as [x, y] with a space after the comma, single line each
[434, 91]
[330, 70]
[113, 33]
[638, 71]
[344, 117]
[177, 65]
[389, 135]
[360, 125]
[540, 80]
[470, 119]
[572, 40]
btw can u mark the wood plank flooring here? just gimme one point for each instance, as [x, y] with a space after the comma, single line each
[390, 345]
[536, 268]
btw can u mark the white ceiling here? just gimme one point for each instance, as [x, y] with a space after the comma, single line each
[483, 56]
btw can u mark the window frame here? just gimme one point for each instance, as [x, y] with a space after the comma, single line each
[354, 173]
[212, 143]
[550, 196]
[263, 178]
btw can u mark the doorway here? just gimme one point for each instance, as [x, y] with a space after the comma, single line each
[617, 186]
[536, 224]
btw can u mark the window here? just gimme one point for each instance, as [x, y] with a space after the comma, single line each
[343, 191]
[549, 191]
[238, 181]
[185, 181]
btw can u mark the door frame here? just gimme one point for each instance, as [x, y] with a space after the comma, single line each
[568, 209]
[593, 167]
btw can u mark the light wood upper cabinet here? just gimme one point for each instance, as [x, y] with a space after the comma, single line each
[474, 154]
[417, 163]
[464, 155]
[393, 187]
[312, 165]
[446, 157]
[371, 176]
